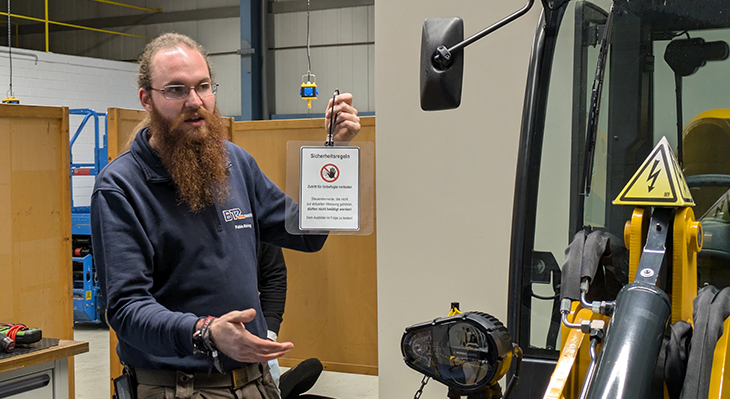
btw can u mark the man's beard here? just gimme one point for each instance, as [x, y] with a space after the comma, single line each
[197, 160]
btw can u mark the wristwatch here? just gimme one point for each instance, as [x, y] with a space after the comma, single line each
[199, 344]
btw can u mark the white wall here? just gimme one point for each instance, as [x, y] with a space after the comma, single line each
[74, 82]
[217, 36]
[63, 80]
[84, 82]
[347, 68]
[445, 179]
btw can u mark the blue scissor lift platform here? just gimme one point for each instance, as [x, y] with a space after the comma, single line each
[87, 300]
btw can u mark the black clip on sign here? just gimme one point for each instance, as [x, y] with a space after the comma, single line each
[333, 118]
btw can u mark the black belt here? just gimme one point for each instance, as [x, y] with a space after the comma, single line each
[167, 378]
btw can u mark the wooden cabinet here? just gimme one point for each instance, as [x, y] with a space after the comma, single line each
[35, 220]
[331, 304]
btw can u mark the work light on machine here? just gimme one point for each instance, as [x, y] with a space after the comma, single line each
[468, 352]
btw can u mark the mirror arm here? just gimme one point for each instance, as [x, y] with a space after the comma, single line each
[443, 55]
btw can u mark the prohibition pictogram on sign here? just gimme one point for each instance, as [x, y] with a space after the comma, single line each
[330, 173]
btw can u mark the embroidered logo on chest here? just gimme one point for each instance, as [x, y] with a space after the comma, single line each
[231, 215]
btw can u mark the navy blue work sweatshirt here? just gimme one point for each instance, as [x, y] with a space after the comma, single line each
[161, 267]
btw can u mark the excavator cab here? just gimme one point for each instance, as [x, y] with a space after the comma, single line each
[586, 131]
[604, 150]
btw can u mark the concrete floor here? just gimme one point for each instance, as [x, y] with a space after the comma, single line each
[92, 372]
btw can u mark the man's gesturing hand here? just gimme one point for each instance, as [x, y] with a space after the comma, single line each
[231, 337]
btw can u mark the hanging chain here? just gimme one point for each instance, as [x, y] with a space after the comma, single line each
[424, 381]
[309, 59]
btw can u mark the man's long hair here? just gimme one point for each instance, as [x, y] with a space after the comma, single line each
[164, 42]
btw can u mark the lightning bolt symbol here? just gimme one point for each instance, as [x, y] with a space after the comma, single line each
[653, 176]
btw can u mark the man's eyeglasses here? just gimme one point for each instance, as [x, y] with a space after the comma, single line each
[179, 92]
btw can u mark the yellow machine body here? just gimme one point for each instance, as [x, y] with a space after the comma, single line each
[687, 238]
[720, 375]
[575, 358]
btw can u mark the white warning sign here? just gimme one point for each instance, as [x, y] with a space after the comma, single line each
[329, 189]
[658, 182]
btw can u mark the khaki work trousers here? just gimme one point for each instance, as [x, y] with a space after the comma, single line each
[260, 388]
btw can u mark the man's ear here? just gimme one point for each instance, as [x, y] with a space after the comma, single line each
[145, 99]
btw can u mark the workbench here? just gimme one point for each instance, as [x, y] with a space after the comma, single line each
[40, 374]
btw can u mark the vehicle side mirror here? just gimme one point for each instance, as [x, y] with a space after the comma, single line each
[441, 80]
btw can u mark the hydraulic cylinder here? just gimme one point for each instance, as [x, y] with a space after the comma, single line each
[633, 341]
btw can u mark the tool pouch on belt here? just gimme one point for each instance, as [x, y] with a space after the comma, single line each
[125, 386]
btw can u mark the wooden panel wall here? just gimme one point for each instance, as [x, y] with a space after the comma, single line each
[120, 128]
[35, 220]
[331, 307]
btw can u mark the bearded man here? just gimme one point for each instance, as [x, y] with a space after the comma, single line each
[176, 223]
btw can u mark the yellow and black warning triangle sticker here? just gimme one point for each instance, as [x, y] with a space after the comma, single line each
[658, 182]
